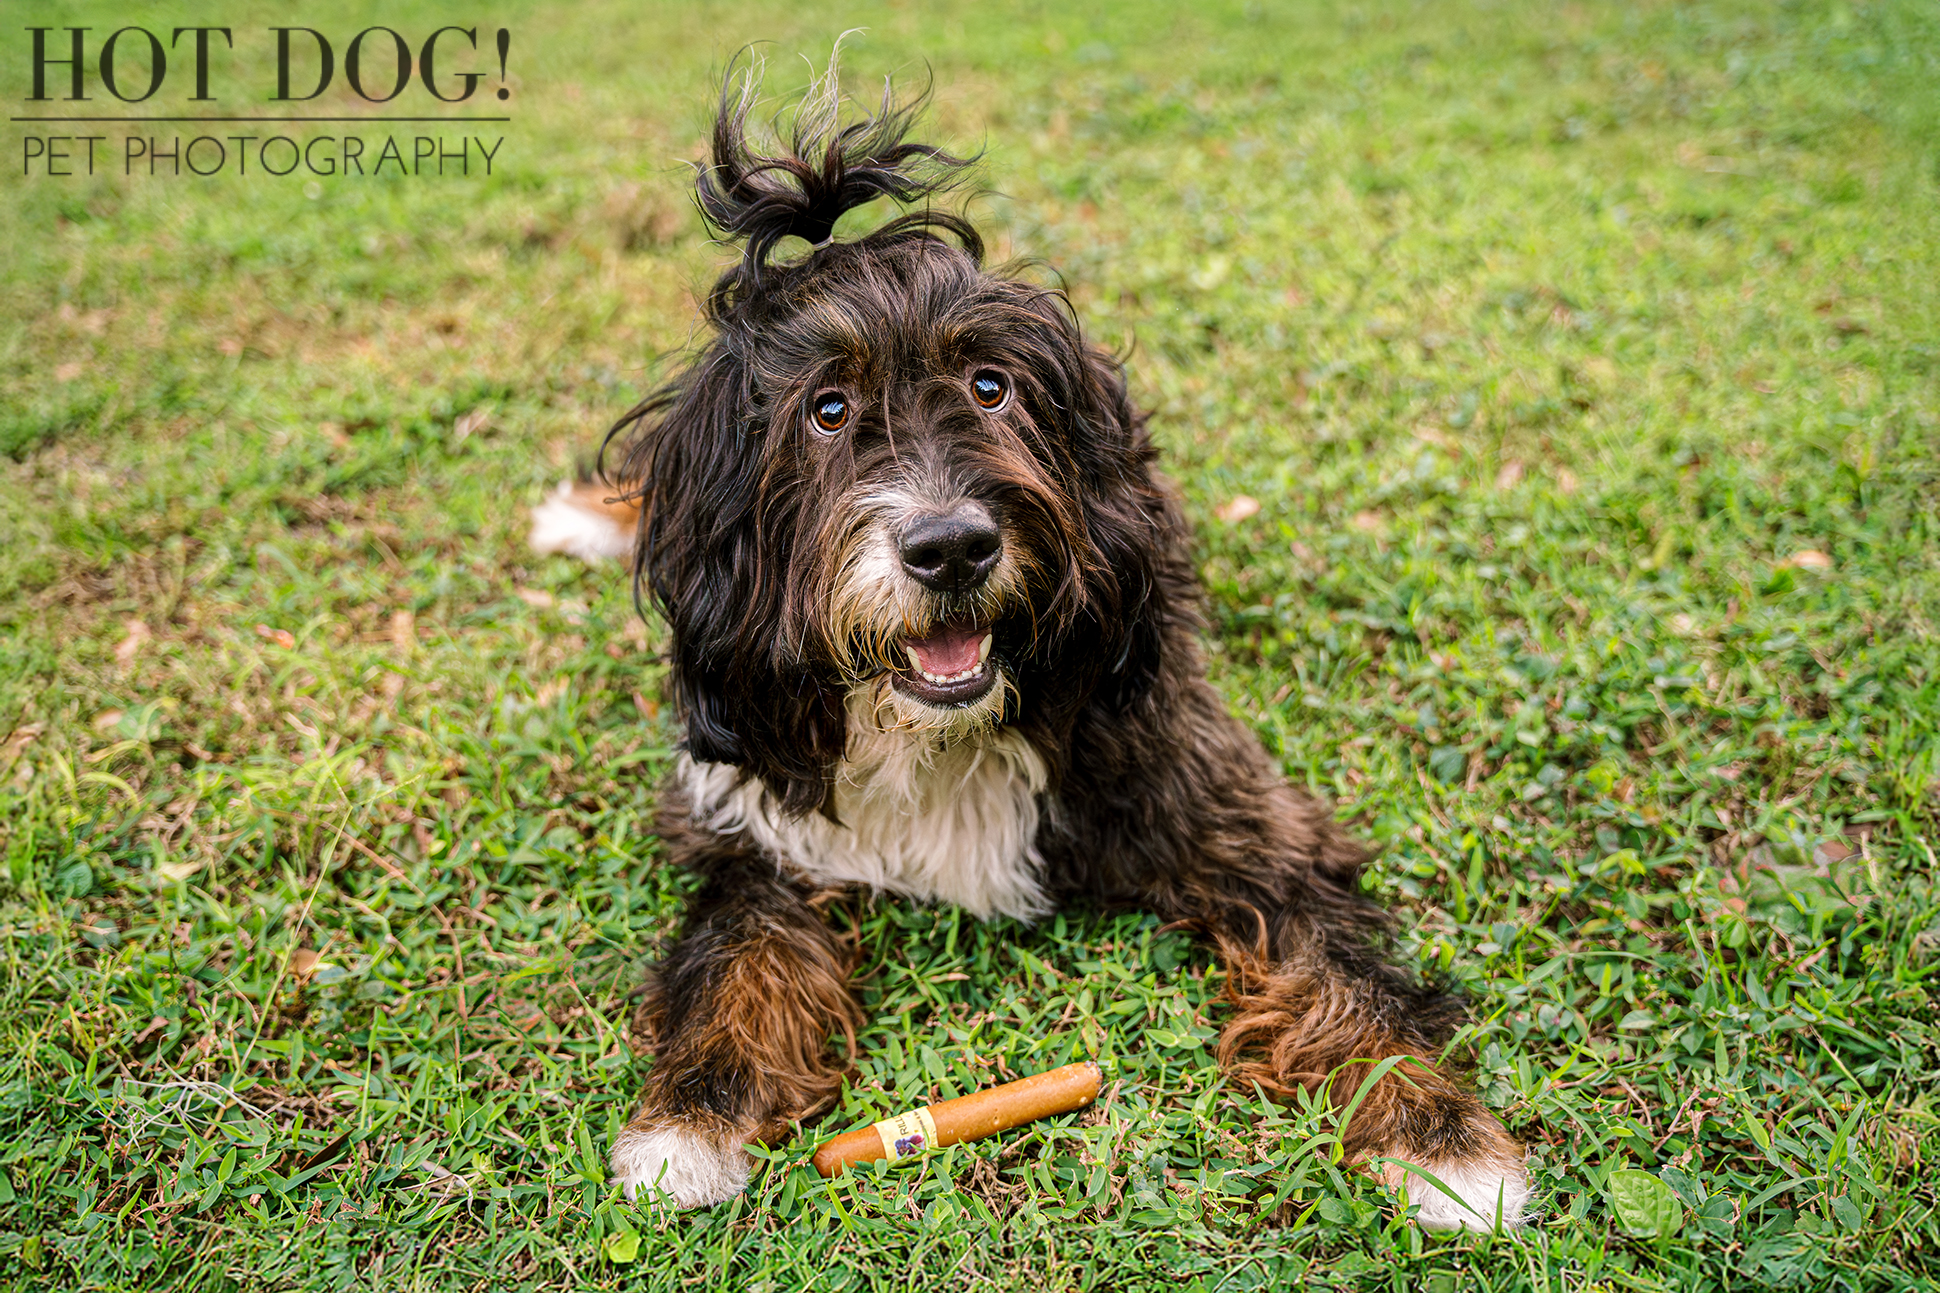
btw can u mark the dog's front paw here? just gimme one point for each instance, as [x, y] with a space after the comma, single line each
[692, 1164]
[1487, 1187]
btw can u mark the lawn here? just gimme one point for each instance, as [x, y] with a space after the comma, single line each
[1555, 390]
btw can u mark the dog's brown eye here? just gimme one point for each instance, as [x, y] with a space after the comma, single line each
[989, 388]
[831, 412]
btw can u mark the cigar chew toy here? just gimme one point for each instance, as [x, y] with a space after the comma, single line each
[970, 1117]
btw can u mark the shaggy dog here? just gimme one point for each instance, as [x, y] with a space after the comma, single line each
[935, 630]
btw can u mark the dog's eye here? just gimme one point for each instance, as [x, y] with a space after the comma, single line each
[989, 388]
[830, 410]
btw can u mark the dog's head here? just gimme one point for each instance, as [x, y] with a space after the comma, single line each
[890, 473]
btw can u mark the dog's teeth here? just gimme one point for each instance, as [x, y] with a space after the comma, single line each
[983, 649]
[914, 663]
[945, 679]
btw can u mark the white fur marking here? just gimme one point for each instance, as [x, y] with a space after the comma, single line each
[940, 816]
[691, 1167]
[1479, 1184]
[561, 525]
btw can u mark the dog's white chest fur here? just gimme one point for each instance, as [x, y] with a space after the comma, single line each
[939, 820]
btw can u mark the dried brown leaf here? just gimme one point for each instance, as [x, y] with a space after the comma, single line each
[129, 647]
[17, 742]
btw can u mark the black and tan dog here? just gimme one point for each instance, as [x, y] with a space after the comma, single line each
[935, 630]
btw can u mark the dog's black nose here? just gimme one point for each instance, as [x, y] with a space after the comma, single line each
[952, 553]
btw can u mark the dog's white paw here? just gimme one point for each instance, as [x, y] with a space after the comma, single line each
[574, 522]
[1487, 1187]
[690, 1166]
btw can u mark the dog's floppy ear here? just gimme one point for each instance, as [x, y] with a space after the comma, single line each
[1138, 581]
[697, 471]
[1129, 583]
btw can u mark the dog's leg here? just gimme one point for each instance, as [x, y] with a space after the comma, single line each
[1317, 1012]
[741, 1013]
[1175, 807]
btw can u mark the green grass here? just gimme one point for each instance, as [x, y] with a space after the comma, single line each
[1552, 343]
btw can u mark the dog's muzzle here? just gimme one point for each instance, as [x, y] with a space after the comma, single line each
[952, 553]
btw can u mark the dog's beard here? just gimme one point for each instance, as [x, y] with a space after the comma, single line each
[887, 708]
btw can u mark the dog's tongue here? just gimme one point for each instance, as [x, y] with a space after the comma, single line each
[951, 649]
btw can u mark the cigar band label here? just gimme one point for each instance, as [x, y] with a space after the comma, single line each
[907, 1134]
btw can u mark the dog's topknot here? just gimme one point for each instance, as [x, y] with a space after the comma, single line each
[825, 170]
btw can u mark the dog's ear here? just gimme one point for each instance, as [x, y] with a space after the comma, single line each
[1140, 580]
[698, 473]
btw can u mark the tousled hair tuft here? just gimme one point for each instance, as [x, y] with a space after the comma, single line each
[823, 171]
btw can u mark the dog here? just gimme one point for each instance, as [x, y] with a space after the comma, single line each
[935, 631]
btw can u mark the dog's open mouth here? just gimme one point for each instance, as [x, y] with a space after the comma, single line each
[950, 666]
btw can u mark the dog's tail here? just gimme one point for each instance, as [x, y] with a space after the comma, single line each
[588, 519]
